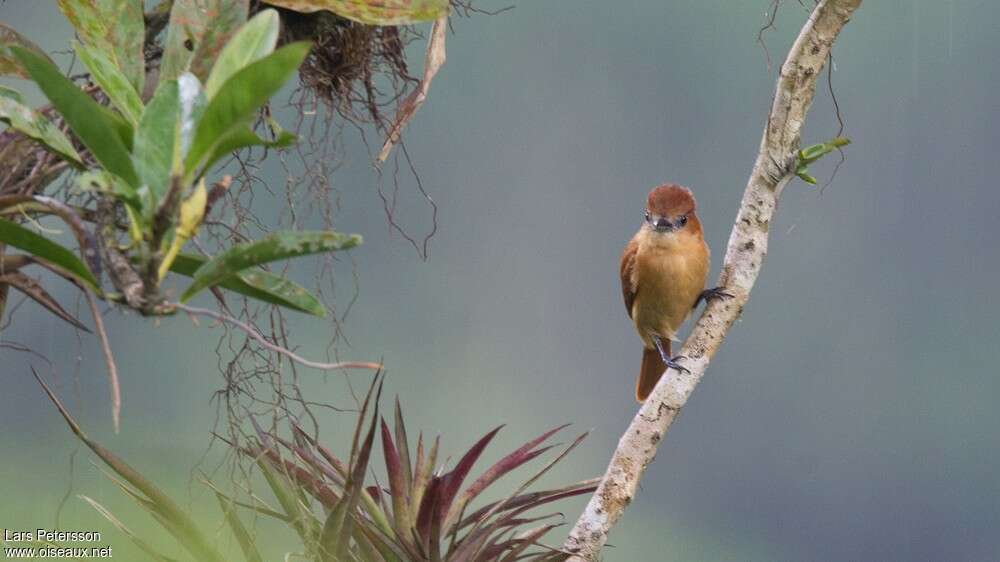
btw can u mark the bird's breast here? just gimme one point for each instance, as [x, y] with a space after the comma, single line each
[670, 271]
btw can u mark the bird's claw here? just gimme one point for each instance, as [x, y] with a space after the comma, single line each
[715, 293]
[671, 363]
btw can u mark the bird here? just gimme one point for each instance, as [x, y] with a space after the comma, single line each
[663, 272]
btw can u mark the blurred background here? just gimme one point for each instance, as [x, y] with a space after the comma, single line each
[850, 414]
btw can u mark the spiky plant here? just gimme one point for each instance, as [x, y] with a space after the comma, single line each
[420, 516]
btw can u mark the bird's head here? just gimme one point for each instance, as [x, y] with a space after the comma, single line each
[669, 208]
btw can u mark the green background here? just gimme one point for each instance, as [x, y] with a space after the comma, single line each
[851, 413]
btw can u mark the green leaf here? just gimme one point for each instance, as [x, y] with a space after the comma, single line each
[104, 182]
[299, 517]
[99, 129]
[273, 247]
[114, 27]
[167, 512]
[813, 153]
[193, 102]
[115, 84]
[43, 248]
[254, 41]
[11, 93]
[257, 284]
[339, 525]
[36, 126]
[381, 12]
[9, 66]
[198, 30]
[838, 142]
[156, 147]
[244, 138]
[234, 106]
[243, 537]
[143, 545]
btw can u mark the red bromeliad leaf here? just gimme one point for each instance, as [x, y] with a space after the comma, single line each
[327, 455]
[367, 551]
[302, 478]
[538, 474]
[375, 493]
[263, 436]
[452, 481]
[312, 461]
[477, 540]
[428, 508]
[523, 542]
[421, 475]
[515, 459]
[403, 444]
[389, 547]
[533, 499]
[397, 483]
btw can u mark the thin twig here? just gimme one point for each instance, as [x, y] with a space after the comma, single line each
[256, 336]
[772, 171]
[116, 393]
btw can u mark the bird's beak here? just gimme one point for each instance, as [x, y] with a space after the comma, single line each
[661, 224]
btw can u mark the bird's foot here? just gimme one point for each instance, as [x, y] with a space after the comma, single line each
[671, 363]
[715, 293]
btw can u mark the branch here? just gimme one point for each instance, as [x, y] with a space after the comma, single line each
[256, 336]
[774, 168]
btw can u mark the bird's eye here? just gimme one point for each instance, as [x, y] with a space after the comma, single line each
[645, 215]
[683, 220]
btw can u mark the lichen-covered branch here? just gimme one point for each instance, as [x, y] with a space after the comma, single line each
[774, 168]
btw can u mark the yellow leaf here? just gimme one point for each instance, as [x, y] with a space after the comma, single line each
[192, 211]
[372, 12]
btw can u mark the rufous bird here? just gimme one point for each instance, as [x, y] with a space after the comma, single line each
[663, 269]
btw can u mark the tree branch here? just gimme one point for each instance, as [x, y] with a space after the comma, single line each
[774, 168]
[259, 338]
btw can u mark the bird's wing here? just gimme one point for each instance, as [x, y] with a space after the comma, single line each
[629, 286]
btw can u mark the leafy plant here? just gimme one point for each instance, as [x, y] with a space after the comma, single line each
[813, 153]
[425, 514]
[151, 159]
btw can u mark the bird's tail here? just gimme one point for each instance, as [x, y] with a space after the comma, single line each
[651, 370]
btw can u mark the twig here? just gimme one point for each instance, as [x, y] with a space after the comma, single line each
[256, 336]
[116, 393]
[745, 253]
[432, 63]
